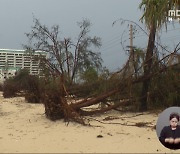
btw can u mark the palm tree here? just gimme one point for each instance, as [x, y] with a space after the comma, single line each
[174, 4]
[154, 16]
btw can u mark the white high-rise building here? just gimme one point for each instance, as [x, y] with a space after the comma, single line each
[13, 60]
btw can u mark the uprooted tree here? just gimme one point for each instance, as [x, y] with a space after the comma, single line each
[66, 60]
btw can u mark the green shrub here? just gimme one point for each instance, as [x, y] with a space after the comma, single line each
[10, 88]
[1, 87]
[31, 86]
[33, 89]
[52, 100]
[165, 89]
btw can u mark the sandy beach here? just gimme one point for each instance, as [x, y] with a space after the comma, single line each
[24, 128]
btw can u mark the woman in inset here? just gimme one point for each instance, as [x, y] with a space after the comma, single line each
[170, 135]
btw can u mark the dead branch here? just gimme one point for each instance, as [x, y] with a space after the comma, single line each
[112, 118]
[138, 124]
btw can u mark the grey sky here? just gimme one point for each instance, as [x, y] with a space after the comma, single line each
[16, 18]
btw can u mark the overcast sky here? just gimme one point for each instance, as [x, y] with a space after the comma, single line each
[16, 19]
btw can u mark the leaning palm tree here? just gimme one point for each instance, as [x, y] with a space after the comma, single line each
[154, 16]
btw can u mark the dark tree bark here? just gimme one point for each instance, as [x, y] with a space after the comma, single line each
[147, 68]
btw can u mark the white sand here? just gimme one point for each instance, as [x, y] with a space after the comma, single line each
[25, 129]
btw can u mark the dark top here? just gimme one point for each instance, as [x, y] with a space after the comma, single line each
[167, 132]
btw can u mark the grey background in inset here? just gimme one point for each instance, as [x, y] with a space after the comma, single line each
[163, 119]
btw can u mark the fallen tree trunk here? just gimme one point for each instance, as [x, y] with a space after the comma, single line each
[87, 113]
[93, 101]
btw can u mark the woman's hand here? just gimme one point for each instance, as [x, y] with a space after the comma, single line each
[169, 140]
[177, 141]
